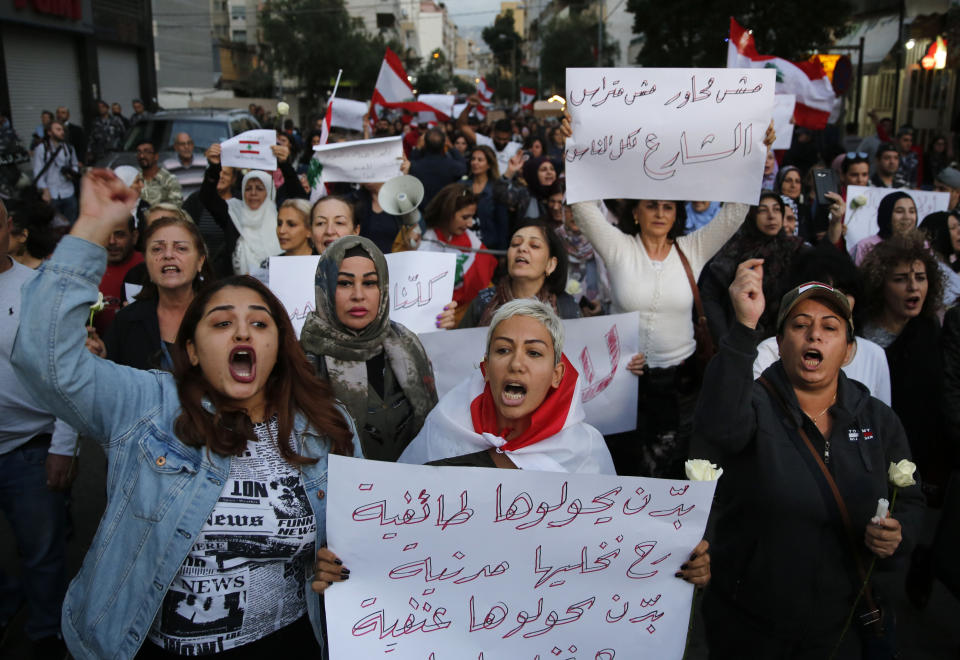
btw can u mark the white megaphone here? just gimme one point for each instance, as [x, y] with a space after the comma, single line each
[401, 196]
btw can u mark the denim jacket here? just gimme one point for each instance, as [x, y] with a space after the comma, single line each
[159, 490]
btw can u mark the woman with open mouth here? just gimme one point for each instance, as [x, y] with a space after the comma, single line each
[653, 268]
[903, 289]
[201, 548]
[143, 333]
[804, 451]
[537, 267]
[377, 367]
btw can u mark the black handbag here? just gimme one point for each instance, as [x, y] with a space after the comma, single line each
[876, 625]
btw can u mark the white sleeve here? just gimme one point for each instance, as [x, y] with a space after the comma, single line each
[483, 140]
[64, 440]
[609, 242]
[767, 353]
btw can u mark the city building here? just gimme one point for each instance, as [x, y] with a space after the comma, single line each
[72, 53]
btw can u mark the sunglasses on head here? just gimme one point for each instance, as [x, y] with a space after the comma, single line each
[857, 154]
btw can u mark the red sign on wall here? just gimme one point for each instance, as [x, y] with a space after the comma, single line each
[71, 9]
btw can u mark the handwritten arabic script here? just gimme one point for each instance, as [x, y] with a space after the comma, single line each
[688, 133]
[470, 563]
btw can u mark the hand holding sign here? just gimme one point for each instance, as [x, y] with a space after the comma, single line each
[250, 150]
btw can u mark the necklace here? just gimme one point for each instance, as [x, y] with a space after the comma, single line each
[816, 417]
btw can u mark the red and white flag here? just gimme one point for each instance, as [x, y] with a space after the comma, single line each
[393, 90]
[807, 80]
[483, 91]
[527, 95]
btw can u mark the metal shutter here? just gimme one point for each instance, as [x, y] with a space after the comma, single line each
[42, 73]
[119, 76]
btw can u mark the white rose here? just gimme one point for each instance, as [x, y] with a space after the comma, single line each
[698, 469]
[858, 201]
[573, 287]
[100, 304]
[283, 108]
[901, 474]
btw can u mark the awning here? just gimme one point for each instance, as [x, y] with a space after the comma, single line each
[879, 36]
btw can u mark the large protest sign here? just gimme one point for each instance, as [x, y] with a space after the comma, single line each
[667, 133]
[250, 150]
[783, 107]
[863, 201]
[421, 283]
[361, 161]
[599, 347]
[450, 563]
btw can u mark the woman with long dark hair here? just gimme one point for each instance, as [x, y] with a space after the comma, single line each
[217, 471]
[537, 267]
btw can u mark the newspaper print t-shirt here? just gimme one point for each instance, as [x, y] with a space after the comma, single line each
[244, 577]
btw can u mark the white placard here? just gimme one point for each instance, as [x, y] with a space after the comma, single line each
[250, 150]
[667, 133]
[421, 283]
[348, 113]
[783, 107]
[862, 220]
[599, 347]
[361, 161]
[449, 563]
[130, 291]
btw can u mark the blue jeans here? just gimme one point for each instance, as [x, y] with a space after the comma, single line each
[38, 516]
[68, 206]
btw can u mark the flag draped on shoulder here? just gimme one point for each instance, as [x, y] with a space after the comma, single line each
[393, 90]
[807, 80]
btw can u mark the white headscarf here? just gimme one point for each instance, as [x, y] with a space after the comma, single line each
[258, 229]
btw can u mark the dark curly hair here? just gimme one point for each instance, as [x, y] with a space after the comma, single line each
[556, 282]
[883, 259]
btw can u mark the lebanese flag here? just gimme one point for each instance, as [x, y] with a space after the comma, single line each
[527, 95]
[483, 91]
[327, 122]
[393, 90]
[814, 92]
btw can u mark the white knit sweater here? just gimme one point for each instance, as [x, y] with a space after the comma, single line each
[659, 290]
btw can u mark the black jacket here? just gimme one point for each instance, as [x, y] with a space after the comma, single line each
[436, 171]
[134, 336]
[950, 344]
[780, 550]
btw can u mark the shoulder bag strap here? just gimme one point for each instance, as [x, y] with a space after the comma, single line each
[841, 505]
[47, 165]
[697, 303]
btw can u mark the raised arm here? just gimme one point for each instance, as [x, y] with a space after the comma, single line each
[462, 125]
[607, 240]
[211, 199]
[725, 421]
[95, 396]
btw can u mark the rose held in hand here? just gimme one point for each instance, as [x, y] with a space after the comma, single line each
[901, 473]
[698, 469]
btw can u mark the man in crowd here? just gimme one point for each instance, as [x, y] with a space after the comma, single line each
[53, 162]
[855, 171]
[106, 135]
[888, 168]
[121, 257]
[909, 169]
[500, 140]
[159, 185]
[189, 165]
[116, 112]
[75, 134]
[434, 168]
[41, 131]
[36, 467]
[139, 112]
[948, 181]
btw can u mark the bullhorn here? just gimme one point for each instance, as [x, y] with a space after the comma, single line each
[401, 196]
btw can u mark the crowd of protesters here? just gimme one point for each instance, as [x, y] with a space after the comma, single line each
[190, 377]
